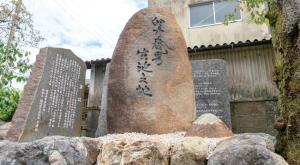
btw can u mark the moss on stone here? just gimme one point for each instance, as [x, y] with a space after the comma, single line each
[287, 78]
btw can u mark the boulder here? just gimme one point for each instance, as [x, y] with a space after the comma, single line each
[254, 139]
[190, 151]
[209, 125]
[246, 149]
[245, 154]
[55, 150]
[138, 152]
[150, 87]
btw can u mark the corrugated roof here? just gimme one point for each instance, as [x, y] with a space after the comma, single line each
[229, 45]
[197, 49]
[97, 62]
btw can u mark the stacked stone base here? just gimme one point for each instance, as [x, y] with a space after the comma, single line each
[136, 148]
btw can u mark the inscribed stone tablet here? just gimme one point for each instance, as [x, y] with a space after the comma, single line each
[52, 98]
[150, 87]
[211, 88]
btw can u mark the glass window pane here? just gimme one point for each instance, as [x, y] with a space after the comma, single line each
[201, 14]
[227, 7]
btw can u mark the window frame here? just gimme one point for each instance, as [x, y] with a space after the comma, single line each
[214, 13]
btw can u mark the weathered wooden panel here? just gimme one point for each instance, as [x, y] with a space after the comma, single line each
[253, 116]
[249, 70]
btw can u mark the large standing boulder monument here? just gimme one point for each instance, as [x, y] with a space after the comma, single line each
[150, 87]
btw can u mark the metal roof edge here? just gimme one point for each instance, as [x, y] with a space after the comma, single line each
[230, 45]
[197, 49]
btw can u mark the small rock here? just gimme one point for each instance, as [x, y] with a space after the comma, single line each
[209, 125]
[55, 158]
[191, 151]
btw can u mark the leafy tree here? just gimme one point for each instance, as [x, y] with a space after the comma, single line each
[16, 25]
[16, 32]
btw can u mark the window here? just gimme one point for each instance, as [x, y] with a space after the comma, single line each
[213, 12]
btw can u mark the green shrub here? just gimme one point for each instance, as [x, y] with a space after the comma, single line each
[9, 98]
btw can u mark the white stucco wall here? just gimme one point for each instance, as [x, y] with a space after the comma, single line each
[213, 34]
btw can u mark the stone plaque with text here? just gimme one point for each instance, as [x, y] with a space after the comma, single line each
[52, 98]
[211, 88]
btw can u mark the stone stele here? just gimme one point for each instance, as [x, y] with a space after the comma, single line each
[52, 98]
[211, 88]
[150, 87]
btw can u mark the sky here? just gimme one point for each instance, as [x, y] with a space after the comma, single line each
[90, 28]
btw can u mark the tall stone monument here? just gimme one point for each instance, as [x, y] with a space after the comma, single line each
[102, 121]
[52, 98]
[150, 87]
[211, 88]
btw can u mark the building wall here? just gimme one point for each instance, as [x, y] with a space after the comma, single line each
[253, 116]
[94, 98]
[249, 71]
[84, 111]
[214, 34]
[96, 83]
[253, 93]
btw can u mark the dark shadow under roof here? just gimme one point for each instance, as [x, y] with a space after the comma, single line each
[97, 62]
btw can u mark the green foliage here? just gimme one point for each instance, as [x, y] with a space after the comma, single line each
[293, 152]
[258, 14]
[229, 18]
[13, 65]
[9, 98]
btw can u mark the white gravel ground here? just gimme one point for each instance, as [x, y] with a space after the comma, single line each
[170, 138]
